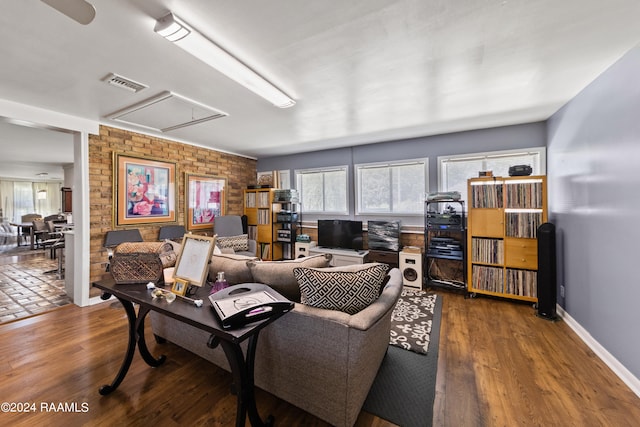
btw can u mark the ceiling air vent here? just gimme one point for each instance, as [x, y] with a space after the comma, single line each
[124, 83]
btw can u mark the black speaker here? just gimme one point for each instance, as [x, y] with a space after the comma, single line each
[547, 277]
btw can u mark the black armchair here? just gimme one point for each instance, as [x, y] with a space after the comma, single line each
[115, 237]
[171, 232]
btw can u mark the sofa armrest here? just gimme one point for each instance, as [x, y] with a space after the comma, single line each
[253, 246]
[386, 302]
[364, 319]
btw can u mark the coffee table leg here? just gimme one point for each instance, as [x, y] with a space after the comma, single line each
[136, 335]
[242, 371]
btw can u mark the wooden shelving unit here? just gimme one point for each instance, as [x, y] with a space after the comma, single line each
[503, 218]
[258, 207]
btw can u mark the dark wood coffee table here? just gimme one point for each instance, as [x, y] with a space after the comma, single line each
[201, 318]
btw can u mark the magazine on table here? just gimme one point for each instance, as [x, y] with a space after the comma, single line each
[244, 305]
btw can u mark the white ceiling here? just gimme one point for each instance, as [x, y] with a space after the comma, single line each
[360, 71]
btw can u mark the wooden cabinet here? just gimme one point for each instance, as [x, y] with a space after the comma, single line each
[67, 205]
[503, 219]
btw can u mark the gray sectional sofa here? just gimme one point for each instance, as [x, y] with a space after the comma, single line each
[322, 361]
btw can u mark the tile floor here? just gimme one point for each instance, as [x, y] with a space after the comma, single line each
[25, 288]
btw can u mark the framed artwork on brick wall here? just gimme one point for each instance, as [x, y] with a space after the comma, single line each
[144, 190]
[205, 200]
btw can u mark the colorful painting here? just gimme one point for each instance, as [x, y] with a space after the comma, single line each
[205, 200]
[144, 191]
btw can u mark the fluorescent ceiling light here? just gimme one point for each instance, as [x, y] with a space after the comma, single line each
[174, 29]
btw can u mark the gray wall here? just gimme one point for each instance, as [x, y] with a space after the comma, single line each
[593, 162]
[494, 139]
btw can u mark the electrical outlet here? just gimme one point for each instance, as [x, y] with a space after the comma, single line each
[562, 291]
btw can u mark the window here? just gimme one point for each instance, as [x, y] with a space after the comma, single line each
[391, 188]
[323, 190]
[454, 171]
[27, 197]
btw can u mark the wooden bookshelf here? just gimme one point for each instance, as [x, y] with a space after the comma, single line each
[258, 207]
[503, 218]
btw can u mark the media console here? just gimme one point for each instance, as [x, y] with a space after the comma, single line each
[341, 256]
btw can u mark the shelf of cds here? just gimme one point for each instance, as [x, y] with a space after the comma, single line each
[503, 218]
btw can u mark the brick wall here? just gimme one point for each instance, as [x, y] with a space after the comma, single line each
[238, 170]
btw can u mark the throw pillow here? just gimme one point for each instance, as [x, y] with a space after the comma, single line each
[177, 247]
[234, 267]
[348, 289]
[164, 250]
[237, 243]
[279, 274]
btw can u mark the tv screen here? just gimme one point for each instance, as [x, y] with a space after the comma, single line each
[384, 235]
[340, 234]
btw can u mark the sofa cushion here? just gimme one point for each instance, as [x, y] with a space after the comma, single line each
[237, 243]
[234, 266]
[349, 289]
[279, 274]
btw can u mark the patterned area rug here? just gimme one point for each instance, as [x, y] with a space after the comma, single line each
[405, 388]
[412, 320]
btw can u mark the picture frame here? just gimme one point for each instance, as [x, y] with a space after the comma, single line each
[144, 190]
[205, 199]
[265, 179]
[180, 287]
[192, 264]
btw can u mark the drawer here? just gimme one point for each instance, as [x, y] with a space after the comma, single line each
[487, 222]
[521, 253]
[386, 257]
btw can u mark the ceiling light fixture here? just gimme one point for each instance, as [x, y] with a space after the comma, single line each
[175, 30]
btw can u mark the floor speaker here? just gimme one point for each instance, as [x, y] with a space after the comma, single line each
[411, 269]
[547, 277]
[302, 249]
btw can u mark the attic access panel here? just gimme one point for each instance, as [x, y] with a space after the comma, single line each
[165, 112]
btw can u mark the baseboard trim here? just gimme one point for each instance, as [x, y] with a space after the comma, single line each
[618, 368]
[98, 300]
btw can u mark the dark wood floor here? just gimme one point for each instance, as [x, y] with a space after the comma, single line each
[499, 365]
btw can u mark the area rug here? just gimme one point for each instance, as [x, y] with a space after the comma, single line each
[405, 388]
[412, 319]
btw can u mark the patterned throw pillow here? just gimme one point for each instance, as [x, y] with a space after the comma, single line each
[347, 291]
[237, 243]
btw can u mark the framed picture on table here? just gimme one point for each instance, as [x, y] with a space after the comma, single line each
[192, 265]
[205, 200]
[144, 190]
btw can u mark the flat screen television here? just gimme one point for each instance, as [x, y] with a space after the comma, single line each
[384, 235]
[340, 234]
